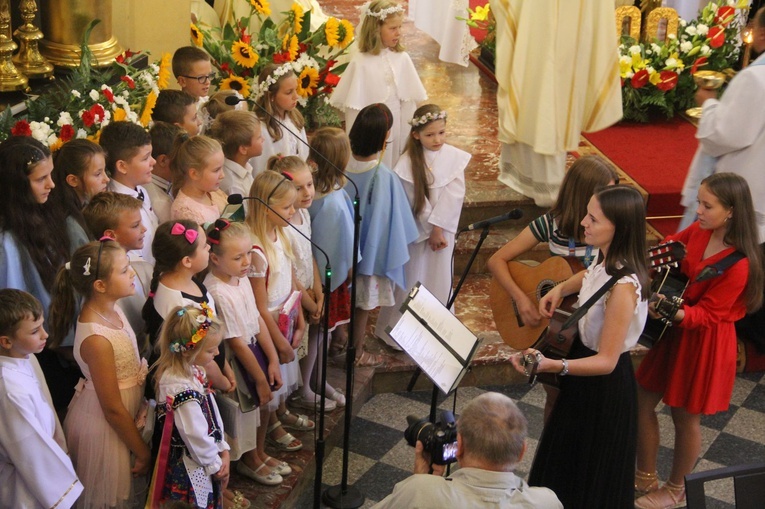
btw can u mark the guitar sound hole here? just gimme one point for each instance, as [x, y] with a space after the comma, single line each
[544, 287]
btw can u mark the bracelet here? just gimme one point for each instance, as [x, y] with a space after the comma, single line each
[564, 371]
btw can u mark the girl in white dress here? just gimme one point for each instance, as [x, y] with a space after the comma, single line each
[381, 72]
[433, 175]
[271, 277]
[277, 99]
[193, 460]
[107, 450]
[248, 347]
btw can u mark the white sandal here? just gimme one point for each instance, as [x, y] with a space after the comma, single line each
[283, 442]
[339, 398]
[301, 422]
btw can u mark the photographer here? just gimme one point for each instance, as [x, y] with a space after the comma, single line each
[491, 440]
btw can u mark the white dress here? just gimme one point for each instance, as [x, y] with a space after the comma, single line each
[438, 19]
[102, 460]
[303, 252]
[279, 287]
[35, 472]
[236, 307]
[287, 145]
[389, 77]
[443, 208]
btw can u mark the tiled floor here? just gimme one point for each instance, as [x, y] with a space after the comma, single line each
[380, 457]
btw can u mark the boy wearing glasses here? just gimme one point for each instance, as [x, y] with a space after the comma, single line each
[193, 70]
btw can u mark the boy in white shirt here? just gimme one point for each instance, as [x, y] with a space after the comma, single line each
[241, 135]
[35, 471]
[163, 136]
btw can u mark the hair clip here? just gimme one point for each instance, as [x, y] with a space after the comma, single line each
[86, 268]
[213, 236]
[68, 266]
[288, 176]
[181, 312]
[179, 229]
[104, 238]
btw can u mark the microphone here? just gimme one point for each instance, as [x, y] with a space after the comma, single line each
[233, 100]
[513, 214]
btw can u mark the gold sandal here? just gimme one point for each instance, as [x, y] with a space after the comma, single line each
[645, 482]
[669, 496]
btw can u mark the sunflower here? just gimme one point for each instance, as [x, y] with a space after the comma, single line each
[261, 6]
[163, 77]
[294, 48]
[243, 54]
[197, 37]
[307, 81]
[237, 84]
[119, 114]
[296, 14]
[345, 34]
[331, 29]
[148, 108]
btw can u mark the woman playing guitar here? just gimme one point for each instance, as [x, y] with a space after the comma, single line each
[694, 367]
[560, 228]
[586, 454]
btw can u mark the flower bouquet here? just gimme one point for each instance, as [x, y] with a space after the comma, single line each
[239, 56]
[80, 105]
[657, 77]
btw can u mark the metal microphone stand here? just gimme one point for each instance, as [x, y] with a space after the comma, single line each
[341, 496]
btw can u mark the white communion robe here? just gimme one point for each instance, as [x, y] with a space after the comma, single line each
[558, 76]
[438, 19]
[389, 78]
[443, 208]
[35, 471]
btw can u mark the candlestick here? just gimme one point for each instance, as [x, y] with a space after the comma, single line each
[28, 59]
[10, 77]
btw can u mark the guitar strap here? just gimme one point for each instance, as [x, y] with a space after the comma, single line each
[582, 310]
[717, 269]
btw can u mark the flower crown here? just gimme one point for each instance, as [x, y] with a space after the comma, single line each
[273, 78]
[382, 14]
[204, 320]
[426, 118]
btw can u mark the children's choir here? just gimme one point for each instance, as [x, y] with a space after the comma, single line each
[118, 250]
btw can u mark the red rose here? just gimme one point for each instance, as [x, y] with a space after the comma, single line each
[67, 133]
[700, 62]
[21, 128]
[716, 36]
[639, 79]
[725, 15]
[331, 79]
[88, 118]
[668, 81]
[108, 94]
[129, 81]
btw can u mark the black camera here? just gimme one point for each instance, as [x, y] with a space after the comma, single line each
[439, 439]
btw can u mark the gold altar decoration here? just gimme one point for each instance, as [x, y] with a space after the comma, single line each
[631, 15]
[29, 60]
[662, 16]
[10, 77]
[64, 22]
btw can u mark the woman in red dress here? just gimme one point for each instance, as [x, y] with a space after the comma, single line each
[693, 368]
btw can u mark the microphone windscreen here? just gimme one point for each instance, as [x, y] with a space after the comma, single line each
[233, 100]
[235, 199]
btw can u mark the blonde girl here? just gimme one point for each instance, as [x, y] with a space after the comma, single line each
[332, 227]
[271, 277]
[381, 72]
[277, 98]
[107, 450]
[248, 347]
[433, 175]
[197, 461]
[197, 167]
[308, 279]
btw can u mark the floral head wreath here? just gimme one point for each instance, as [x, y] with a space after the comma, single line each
[273, 78]
[426, 118]
[382, 14]
[204, 321]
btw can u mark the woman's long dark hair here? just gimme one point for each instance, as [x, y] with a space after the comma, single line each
[625, 208]
[36, 226]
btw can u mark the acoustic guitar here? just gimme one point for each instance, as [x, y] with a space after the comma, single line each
[535, 282]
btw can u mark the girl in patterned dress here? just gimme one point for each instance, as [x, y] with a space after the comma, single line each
[193, 463]
[107, 450]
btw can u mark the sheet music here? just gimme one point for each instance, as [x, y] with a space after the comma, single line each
[447, 326]
[427, 351]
